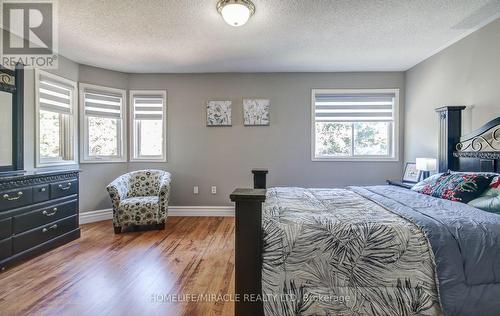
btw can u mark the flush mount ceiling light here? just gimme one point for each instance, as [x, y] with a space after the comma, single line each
[236, 12]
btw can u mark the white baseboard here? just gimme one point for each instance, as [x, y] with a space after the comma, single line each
[107, 214]
[201, 211]
[96, 216]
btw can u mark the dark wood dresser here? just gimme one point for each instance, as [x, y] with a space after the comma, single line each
[38, 212]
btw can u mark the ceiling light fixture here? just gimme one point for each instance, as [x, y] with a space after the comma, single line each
[236, 12]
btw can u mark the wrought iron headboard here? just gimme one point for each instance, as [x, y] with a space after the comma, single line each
[476, 151]
[482, 143]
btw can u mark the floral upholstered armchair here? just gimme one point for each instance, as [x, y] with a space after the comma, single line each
[140, 198]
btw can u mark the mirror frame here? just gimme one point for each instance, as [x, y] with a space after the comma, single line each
[12, 81]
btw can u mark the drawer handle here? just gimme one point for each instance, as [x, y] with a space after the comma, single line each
[42, 190]
[50, 228]
[65, 188]
[54, 211]
[9, 198]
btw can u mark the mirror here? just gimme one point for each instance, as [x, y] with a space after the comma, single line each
[6, 128]
[11, 120]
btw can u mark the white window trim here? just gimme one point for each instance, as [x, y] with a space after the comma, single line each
[39, 163]
[163, 157]
[395, 135]
[84, 132]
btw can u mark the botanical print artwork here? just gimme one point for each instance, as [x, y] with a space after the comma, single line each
[256, 111]
[219, 113]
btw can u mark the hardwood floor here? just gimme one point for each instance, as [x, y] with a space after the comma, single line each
[138, 273]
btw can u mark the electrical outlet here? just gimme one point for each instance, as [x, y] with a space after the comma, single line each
[214, 189]
[195, 189]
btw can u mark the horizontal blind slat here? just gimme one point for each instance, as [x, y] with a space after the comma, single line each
[356, 114]
[354, 107]
[354, 97]
[99, 93]
[54, 96]
[155, 117]
[103, 104]
[63, 101]
[102, 114]
[143, 100]
[351, 119]
[148, 107]
[55, 87]
[59, 83]
[54, 108]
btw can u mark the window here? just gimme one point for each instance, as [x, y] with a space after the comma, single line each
[103, 128]
[355, 124]
[56, 127]
[148, 125]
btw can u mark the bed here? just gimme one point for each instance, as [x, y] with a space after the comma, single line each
[379, 250]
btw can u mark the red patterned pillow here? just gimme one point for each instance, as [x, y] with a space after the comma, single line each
[460, 187]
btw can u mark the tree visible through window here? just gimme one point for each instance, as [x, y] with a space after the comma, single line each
[50, 135]
[56, 126]
[103, 136]
[354, 124]
[103, 123]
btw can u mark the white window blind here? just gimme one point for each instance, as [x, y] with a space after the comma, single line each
[148, 107]
[354, 107]
[103, 104]
[55, 96]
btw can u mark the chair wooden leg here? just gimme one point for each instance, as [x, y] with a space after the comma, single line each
[118, 230]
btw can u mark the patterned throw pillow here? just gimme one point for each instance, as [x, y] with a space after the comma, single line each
[429, 181]
[489, 201]
[459, 187]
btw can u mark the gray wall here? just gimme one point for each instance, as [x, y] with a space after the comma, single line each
[466, 73]
[202, 156]
[198, 155]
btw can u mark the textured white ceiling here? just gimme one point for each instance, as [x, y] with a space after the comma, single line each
[155, 36]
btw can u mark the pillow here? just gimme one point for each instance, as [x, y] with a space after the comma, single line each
[459, 187]
[429, 181]
[489, 201]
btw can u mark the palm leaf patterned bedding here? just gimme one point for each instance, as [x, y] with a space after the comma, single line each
[334, 252]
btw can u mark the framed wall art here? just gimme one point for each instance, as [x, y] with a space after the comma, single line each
[219, 113]
[256, 112]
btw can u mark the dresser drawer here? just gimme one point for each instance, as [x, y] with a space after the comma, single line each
[5, 228]
[40, 193]
[15, 198]
[65, 188]
[44, 216]
[40, 235]
[5, 248]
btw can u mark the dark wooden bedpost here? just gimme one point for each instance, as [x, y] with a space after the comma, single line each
[259, 178]
[450, 130]
[248, 246]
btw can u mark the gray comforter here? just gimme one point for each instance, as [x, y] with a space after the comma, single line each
[465, 242]
[367, 251]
